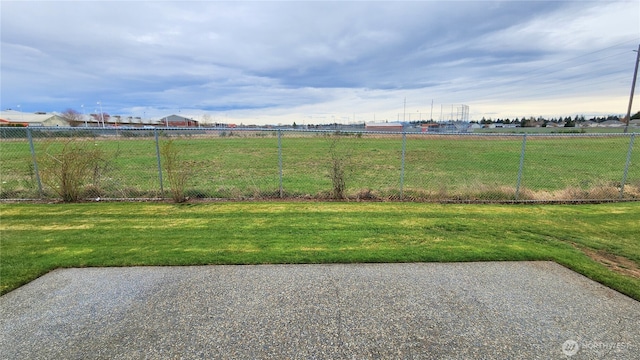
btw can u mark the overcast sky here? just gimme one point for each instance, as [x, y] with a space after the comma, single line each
[320, 62]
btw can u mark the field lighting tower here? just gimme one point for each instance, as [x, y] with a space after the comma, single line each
[431, 118]
[21, 113]
[101, 113]
[83, 117]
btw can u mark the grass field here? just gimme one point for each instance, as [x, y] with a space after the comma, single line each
[246, 165]
[599, 241]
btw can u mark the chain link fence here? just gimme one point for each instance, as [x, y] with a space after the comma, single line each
[77, 164]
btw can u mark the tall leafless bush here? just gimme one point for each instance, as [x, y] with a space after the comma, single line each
[177, 170]
[339, 168]
[68, 167]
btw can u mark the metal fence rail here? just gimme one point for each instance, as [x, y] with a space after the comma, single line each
[77, 164]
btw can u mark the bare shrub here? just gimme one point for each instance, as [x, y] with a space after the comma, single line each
[178, 171]
[338, 170]
[338, 182]
[68, 168]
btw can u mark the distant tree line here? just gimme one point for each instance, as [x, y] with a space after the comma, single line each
[567, 121]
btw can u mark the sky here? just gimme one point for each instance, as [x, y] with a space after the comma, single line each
[314, 62]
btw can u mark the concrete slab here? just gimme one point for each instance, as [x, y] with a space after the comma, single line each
[532, 310]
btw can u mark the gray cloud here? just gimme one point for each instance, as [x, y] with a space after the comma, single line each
[316, 57]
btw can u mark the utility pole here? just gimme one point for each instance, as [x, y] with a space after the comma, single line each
[633, 86]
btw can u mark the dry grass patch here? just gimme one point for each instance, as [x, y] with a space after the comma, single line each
[617, 263]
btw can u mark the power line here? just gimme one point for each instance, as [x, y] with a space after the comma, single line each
[581, 56]
[536, 87]
[562, 88]
[524, 78]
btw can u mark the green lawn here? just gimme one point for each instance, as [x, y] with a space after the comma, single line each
[37, 238]
[436, 167]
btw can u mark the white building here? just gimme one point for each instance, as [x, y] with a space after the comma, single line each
[32, 119]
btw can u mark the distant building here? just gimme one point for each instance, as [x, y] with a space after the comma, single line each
[612, 123]
[384, 127]
[447, 127]
[12, 117]
[429, 127]
[178, 121]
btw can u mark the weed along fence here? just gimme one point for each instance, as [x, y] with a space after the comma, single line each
[76, 164]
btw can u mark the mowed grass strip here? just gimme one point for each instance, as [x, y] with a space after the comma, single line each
[37, 238]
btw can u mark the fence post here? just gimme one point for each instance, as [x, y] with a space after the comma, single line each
[521, 169]
[404, 150]
[626, 166]
[155, 131]
[35, 162]
[281, 189]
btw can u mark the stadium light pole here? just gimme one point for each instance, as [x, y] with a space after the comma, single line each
[633, 86]
[101, 113]
[21, 114]
[431, 118]
[83, 117]
[404, 110]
